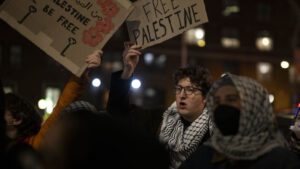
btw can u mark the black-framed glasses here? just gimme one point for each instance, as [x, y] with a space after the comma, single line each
[188, 90]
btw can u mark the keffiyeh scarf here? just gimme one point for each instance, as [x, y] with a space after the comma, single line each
[257, 132]
[181, 143]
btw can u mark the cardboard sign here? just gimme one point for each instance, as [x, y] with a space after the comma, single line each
[154, 21]
[67, 30]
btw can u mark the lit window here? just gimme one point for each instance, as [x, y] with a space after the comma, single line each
[230, 8]
[194, 36]
[230, 42]
[52, 95]
[148, 58]
[264, 41]
[8, 89]
[153, 97]
[150, 92]
[230, 38]
[264, 71]
[15, 55]
[116, 65]
[161, 60]
[264, 68]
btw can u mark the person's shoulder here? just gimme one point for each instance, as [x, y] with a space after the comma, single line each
[203, 152]
[202, 157]
[280, 151]
[280, 157]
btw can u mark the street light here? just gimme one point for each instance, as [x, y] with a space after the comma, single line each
[96, 82]
[136, 84]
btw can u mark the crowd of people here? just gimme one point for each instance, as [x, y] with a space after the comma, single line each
[224, 124]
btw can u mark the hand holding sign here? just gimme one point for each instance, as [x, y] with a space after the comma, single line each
[93, 61]
[131, 56]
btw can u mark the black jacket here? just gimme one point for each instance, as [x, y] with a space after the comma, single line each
[278, 158]
[145, 121]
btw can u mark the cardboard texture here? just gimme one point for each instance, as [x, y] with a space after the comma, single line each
[67, 30]
[154, 21]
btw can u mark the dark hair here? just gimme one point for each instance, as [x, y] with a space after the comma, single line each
[198, 75]
[23, 110]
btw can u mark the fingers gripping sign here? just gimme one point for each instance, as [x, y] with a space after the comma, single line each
[94, 60]
[131, 56]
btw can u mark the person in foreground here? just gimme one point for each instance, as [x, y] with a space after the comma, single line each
[184, 126]
[246, 136]
[85, 138]
[24, 122]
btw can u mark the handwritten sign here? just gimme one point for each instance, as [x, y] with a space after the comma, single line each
[67, 30]
[154, 21]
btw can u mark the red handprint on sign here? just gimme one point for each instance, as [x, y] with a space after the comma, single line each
[109, 8]
[105, 25]
[92, 37]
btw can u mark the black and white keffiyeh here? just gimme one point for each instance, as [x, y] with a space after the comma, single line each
[78, 106]
[257, 133]
[181, 143]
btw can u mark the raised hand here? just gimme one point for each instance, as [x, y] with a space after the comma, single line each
[131, 56]
[94, 60]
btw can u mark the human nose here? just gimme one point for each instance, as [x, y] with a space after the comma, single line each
[182, 92]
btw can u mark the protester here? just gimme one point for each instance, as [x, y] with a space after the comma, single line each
[15, 156]
[84, 138]
[246, 135]
[185, 124]
[294, 141]
[23, 120]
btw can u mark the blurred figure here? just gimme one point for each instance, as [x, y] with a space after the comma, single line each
[184, 125]
[24, 128]
[294, 140]
[23, 122]
[246, 136]
[16, 155]
[3, 137]
[22, 118]
[84, 138]
[22, 156]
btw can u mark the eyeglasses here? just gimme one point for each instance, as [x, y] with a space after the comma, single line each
[188, 90]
